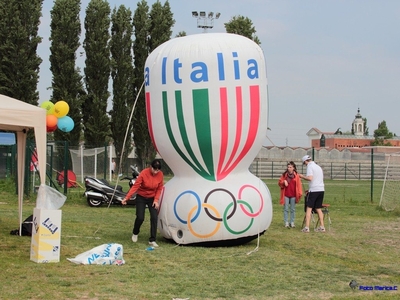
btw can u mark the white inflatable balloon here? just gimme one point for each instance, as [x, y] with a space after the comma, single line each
[206, 100]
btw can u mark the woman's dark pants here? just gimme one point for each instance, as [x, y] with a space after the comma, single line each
[141, 203]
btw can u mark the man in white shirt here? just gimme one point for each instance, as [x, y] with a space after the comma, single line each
[316, 190]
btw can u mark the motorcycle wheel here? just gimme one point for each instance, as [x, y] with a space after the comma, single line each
[94, 202]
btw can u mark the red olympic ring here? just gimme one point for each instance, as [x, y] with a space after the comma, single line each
[243, 208]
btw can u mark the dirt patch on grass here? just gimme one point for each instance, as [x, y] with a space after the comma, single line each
[383, 233]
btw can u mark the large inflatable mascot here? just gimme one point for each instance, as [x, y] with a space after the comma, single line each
[206, 101]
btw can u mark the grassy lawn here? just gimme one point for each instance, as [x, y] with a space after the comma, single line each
[362, 244]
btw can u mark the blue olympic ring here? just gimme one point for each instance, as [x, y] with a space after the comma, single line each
[198, 206]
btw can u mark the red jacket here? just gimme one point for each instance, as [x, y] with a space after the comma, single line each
[147, 185]
[299, 188]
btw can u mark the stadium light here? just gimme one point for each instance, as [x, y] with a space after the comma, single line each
[204, 20]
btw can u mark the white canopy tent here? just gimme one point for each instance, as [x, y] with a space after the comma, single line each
[19, 116]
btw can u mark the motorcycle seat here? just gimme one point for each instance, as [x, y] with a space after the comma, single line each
[118, 188]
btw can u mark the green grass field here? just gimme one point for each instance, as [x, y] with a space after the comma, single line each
[362, 244]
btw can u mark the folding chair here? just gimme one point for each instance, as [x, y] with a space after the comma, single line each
[325, 211]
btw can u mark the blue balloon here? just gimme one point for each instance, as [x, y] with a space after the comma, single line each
[65, 124]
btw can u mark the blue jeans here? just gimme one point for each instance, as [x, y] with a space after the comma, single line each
[289, 201]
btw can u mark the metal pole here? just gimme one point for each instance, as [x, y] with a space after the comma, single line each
[372, 175]
[272, 170]
[81, 149]
[66, 168]
[313, 154]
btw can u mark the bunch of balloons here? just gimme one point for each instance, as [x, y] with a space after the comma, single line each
[56, 116]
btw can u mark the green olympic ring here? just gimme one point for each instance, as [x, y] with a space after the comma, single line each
[226, 220]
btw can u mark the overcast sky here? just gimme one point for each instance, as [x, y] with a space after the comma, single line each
[325, 59]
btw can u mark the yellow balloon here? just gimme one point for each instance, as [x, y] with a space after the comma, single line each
[61, 109]
[48, 106]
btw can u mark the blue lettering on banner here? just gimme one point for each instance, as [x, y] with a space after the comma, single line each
[50, 226]
[106, 252]
[93, 258]
[200, 72]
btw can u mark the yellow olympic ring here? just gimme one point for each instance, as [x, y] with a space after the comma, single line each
[190, 224]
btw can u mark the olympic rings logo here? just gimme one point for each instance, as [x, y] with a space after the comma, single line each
[213, 213]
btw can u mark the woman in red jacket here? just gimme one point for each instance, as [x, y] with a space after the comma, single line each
[291, 192]
[148, 186]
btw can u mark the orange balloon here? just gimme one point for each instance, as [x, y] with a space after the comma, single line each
[51, 121]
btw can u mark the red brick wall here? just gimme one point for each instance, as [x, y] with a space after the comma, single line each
[341, 143]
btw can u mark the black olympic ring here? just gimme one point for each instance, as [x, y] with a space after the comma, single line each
[234, 204]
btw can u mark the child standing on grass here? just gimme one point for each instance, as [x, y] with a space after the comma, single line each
[291, 192]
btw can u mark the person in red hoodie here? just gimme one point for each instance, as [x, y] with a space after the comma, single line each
[148, 187]
[291, 192]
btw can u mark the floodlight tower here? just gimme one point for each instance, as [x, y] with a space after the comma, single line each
[204, 20]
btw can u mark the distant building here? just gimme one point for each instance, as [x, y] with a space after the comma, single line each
[337, 140]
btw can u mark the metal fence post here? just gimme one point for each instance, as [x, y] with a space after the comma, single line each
[272, 170]
[66, 167]
[372, 175]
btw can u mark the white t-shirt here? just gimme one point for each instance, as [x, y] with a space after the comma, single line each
[317, 183]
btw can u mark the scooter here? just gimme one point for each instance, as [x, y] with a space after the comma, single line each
[100, 191]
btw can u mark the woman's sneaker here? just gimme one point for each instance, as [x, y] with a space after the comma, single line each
[153, 244]
[287, 225]
[320, 229]
[305, 229]
[292, 225]
[134, 238]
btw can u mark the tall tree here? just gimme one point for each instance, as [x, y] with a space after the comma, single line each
[19, 63]
[97, 73]
[161, 23]
[243, 26]
[67, 82]
[149, 35]
[141, 136]
[122, 78]
[381, 134]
